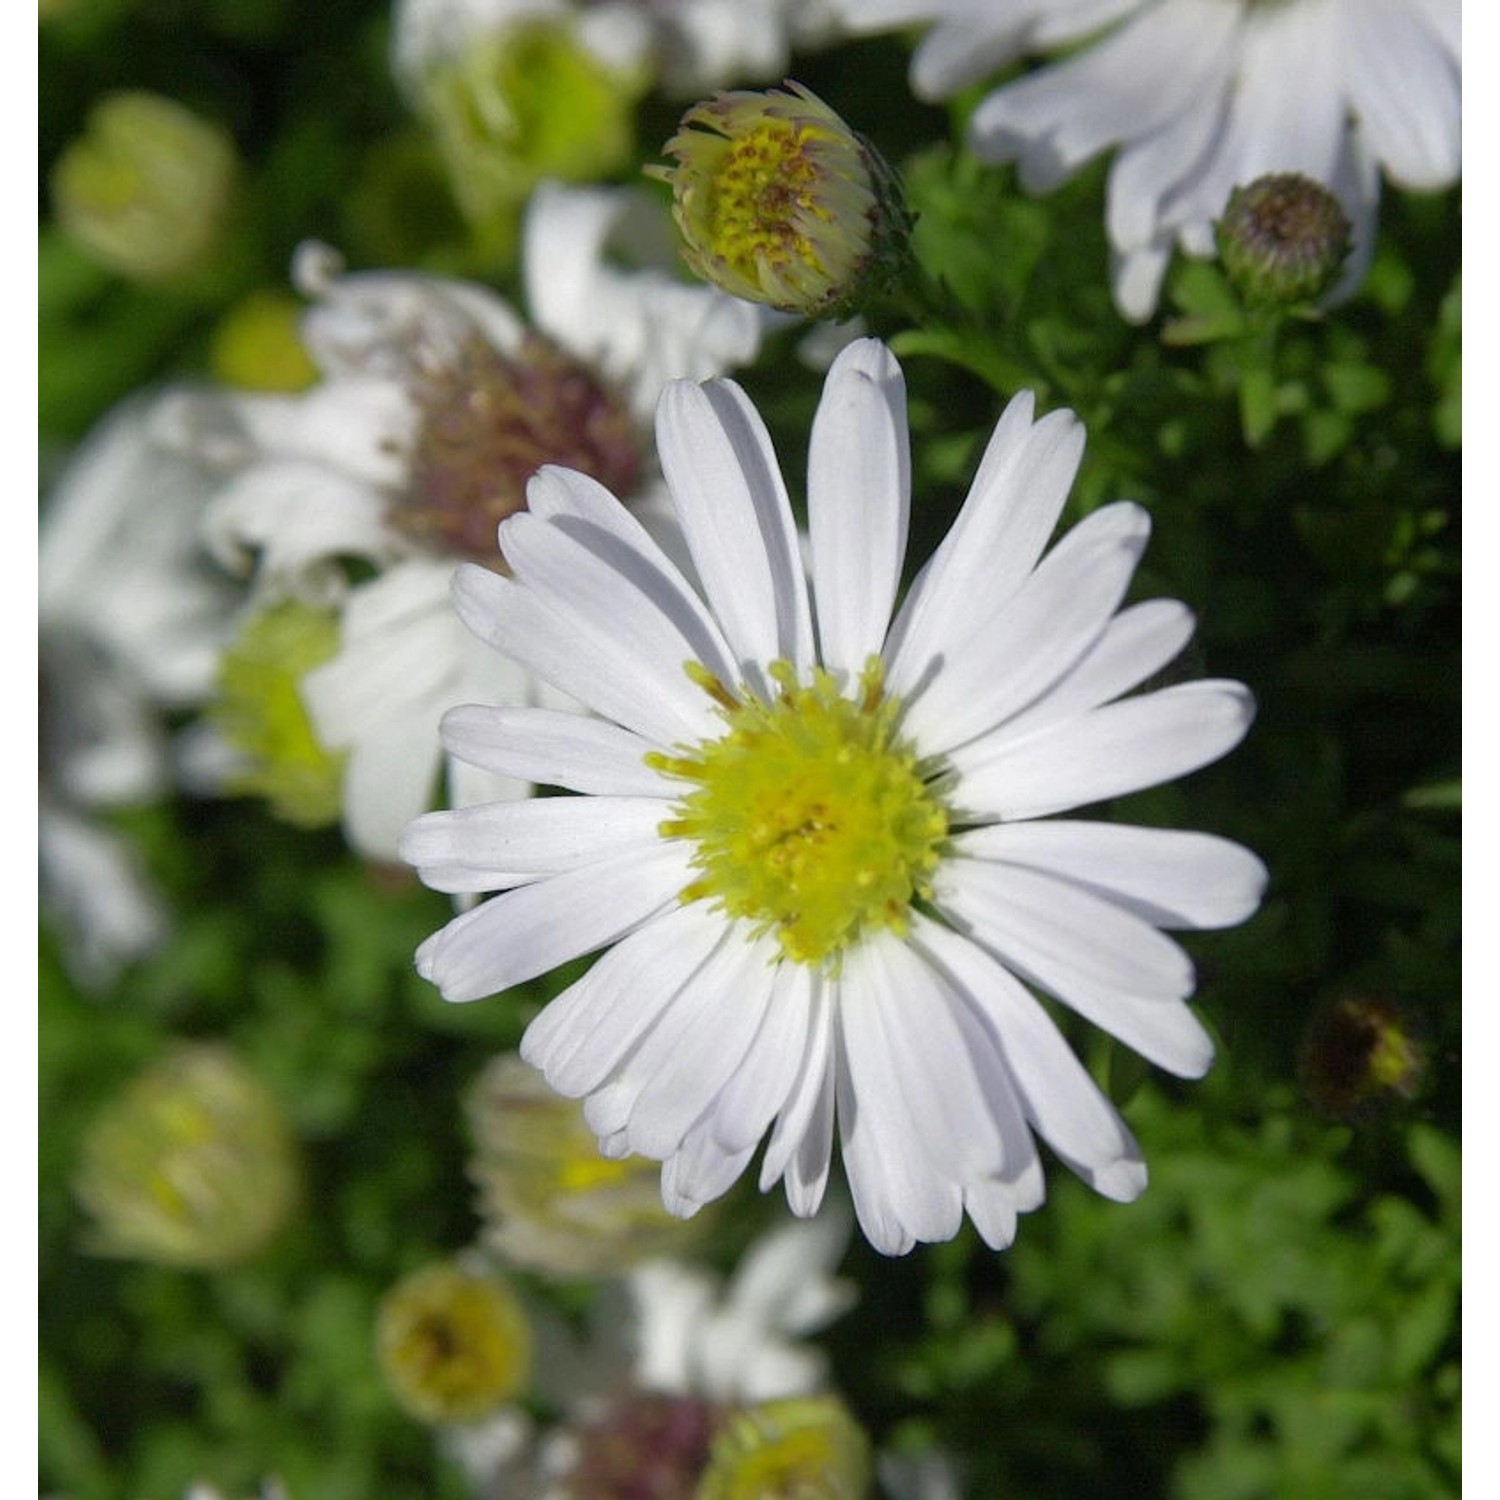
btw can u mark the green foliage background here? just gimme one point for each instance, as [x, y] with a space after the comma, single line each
[1278, 1315]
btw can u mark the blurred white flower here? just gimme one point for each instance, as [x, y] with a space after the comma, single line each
[131, 615]
[671, 1347]
[1197, 97]
[691, 46]
[438, 400]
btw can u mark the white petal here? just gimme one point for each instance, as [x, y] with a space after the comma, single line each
[502, 844]
[1122, 747]
[1404, 85]
[761, 1086]
[858, 502]
[697, 1044]
[296, 517]
[944, 1083]
[525, 932]
[550, 748]
[898, 1197]
[805, 1123]
[1011, 509]
[589, 662]
[582, 510]
[700, 1170]
[1168, 877]
[1037, 636]
[1112, 968]
[1060, 1098]
[390, 777]
[1135, 645]
[609, 590]
[1051, 930]
[581, 1037]
[726, 482]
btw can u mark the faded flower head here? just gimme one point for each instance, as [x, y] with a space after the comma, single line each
[489, 420]
[453, 1342]
[551, 1202]
[780, 202]
[1283, 239]
[803, 1448]
[192, 1164]
[1360, 1053]
[148, 188]
[642, 1446]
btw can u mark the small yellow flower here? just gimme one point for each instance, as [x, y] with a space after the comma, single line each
[453, 1343]
[780, 202]
[192, 1165]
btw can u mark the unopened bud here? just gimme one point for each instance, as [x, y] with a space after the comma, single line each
[780, 202]
[551, 1203]
[527, 103]
[193, 1164]
[148, 188]
[1283, 239]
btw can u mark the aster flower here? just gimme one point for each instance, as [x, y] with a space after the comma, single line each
[814, 841]
[131, 614]
[1198, 97]
[690, 46]
[436, 404]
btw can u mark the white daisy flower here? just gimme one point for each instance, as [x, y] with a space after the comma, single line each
[692, 46]
[1198, 97]
[438, 400]
[820, 857]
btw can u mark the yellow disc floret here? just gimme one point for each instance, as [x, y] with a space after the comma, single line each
[812, 819]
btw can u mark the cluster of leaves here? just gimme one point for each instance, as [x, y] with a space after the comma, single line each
[1277, 1315]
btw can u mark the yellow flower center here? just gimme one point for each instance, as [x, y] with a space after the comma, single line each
[768, 181]
[812, 819]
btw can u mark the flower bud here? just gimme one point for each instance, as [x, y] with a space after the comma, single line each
[149, 187]
[780, 202]
[260, 713]
[526, 103]
[551, 1203]
[804, 1448]
[193, 1164]
[453, 1343]
[1283, 239]
[1358, 1054]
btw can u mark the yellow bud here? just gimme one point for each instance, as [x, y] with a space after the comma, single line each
[780, 202]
